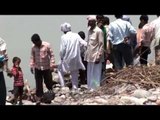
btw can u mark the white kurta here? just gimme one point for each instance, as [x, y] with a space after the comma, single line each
[70, 52]
[71, 57]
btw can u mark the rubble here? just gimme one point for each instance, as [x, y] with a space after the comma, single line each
[130, 86]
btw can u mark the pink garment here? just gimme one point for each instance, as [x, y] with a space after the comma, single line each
[18, 76]
[147, 34]
[42, 58]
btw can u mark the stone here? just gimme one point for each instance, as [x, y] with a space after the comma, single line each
[140, 93]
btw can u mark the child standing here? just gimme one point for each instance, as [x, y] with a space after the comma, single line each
[17, 73]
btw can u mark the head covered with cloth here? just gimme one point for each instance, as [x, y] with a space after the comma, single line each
[65, 27]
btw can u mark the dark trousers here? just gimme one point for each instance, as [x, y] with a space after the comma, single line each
[122, 53]
[2, 89]
[83, 73]
[41, 75]
[144, 55]
[18, 92]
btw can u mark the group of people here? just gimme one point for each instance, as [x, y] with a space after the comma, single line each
[117, 42]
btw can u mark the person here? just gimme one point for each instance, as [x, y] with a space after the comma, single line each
[132, 38]
[119, 31]
[42, 63]
[101, 24]
[70, 55]
[156, 38]
[145, 39]
[94, 53]
[3, 66]
[127, 18]
[83, 73]
[156, 24]
[17, 73]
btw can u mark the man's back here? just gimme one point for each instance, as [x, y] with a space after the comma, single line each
[119, 29]
[70, 50]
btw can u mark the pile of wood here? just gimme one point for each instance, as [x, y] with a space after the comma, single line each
[144, 77]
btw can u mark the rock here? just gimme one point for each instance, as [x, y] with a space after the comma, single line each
[56, 89]
[100, 101]
[90, 104]
[84, 87]
[158, 102]
[56, 78]
[26, 102]
[152, 90]
[130, 99]
[63, 96]
[130, 88]
[7, 103]
[156, 92]
[153, 98]
[58, 99]
[140, 93]
[64, 90]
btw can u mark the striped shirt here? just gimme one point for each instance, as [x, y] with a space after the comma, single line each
[42, 58]
[18, 76]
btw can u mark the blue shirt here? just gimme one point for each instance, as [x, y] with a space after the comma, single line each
[118, 30]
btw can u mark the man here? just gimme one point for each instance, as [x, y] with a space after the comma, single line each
[83, 73]
[3, 66]
[94, 53]
[156, 25]
[146, 39]
[119, 31]
[70, 55]
[132, 37]
[42, 64]
[101, 24]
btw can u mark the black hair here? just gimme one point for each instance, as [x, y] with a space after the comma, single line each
[35, 38]
[141, 25]
[82, 34]
[144, 17]
[99, 17]
[106, 20]
[118, 16]
[15, 59]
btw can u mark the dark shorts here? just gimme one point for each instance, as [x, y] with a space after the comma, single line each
[18, 90]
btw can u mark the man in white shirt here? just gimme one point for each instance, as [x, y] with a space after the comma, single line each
[3, 66]
[70, 55]
[94, 53]
[119, 31]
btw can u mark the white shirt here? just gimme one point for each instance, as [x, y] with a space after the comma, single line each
[156, 24]
[2, 50]
[70, 51]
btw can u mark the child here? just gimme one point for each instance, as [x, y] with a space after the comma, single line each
[18, 80]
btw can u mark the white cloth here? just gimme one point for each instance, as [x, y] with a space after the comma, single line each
[61, 77]
[126, 18]
[93, 75]
[2, 50]
[70, 57]
[156, 24]
[70, 52]
[74, 79]
[91, 17]
[65, 27]
[2, 45]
